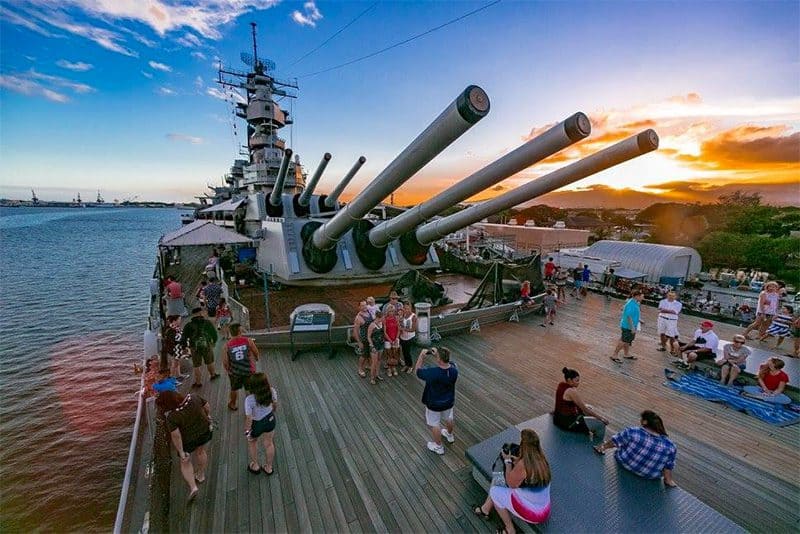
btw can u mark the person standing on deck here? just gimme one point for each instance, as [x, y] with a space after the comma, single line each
[646, 450]
[608, 282]
[391, 331]
[668, 310]
[549, 302]
[628, 323]
[439, 395]
[408, 331]
[173, 294]
[549, 270]
[376, 341]
[359, 332]
[239, 360]
[259, 408]
[586, 277]
[212, 292]
[200, 336]
[766, 308]
[394, 302]
[577, 281]
[561, 284]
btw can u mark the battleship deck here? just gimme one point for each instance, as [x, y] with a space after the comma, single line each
[352, 457]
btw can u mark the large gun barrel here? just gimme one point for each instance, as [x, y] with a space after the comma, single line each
[305, 196]
[560, 136]
[330, 200]
[630, 148]
[466, 110]
[277, 190]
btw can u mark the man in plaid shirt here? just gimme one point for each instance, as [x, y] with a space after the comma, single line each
[646, 450]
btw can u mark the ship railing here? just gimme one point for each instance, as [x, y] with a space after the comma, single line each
[240, 312]
[138, 452]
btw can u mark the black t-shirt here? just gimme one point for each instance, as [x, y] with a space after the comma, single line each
[190, 418]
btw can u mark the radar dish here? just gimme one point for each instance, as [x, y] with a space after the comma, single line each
[247, 59]
[268, 64]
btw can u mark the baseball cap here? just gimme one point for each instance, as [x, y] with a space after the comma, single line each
[707, 324]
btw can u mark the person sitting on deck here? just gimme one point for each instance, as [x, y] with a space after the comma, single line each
[772, 381]
[646, 450]
[188, 421]
[524, 490]
[781, 325]
[239, 359]
[733, 360]
[525, 292]
[704, 346]
[259, 409]
[571, 414]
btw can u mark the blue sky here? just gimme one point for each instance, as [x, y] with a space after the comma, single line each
[106, 94]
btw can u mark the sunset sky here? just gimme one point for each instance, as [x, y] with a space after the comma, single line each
[119, 95]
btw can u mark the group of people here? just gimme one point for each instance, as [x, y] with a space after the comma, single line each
[704, 345]
[522, 490]
[384, 336]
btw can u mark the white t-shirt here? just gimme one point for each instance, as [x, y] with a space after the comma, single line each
[667, 305]
[254, 410]
[407, 322]
[712, 340]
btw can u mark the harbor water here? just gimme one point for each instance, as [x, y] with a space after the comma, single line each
[74, 294]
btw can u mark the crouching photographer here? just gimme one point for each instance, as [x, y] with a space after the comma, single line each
[524, 489]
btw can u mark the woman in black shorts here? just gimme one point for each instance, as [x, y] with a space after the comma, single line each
[259, 408]
[571, 413]
[189, 424]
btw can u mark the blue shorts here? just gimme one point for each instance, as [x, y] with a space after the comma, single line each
[262, 426]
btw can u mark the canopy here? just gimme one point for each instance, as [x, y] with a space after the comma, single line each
[202, 233]
[228, 205]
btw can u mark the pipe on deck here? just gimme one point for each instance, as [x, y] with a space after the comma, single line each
[560, 136]
[465, 111]
[630, 148]
[330, 200]
[305, 196]
[277, 190]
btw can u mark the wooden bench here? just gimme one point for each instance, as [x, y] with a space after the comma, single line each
[593, 493]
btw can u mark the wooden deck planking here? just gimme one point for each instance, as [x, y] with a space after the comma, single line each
[352, 457]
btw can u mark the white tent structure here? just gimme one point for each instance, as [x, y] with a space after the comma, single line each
[661, 263]
[202, 232]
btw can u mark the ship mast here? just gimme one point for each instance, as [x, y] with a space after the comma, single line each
[254, 93]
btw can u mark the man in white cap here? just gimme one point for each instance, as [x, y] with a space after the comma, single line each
[704, 346]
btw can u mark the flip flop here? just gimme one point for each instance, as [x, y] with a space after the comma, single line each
[255, 471]
[478, 510]
[362, 374]
[615, 359]
[192, 495]
[232, 407]
[596, 449]
[631, 357]
[199, 481]
[268, 473]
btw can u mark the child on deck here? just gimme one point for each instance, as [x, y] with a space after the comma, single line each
[372, 307]
[200, 295]
[391, 333]
[549, 302]
[781, 325]
[224, 318]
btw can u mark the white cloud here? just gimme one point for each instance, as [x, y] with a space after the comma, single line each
[78, 66]
[106, 38]
[23, 85]
[17, 19]
[185, 138]
[222, 95]
[148, 75]
[199, 55]
[80, 88]
[310, 17]
[155, 65]
[165, 91]
[163, 16]
[189, 40]
[198, 82]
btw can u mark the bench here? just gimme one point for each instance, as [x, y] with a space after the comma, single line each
[590, 493]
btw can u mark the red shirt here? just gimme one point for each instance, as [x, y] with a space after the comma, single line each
[773, 381]
[525, 292]
[391, 328]
[174, 290]
[549, 268]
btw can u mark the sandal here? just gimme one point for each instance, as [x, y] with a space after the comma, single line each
[199, 480]
[372, 381]
[192, 495]
[631, 357]
[478, 510]
[362, 374]
[232, 407]
[255, 470]
[268, 473]
[615, 359]
[599, 451]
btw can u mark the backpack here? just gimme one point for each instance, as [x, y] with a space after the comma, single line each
[200, 342]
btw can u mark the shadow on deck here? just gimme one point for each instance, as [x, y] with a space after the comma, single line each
[352, 457]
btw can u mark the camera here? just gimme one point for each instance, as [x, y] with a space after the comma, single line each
[511, 449]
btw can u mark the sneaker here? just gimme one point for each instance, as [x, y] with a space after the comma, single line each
[448, 436]
[438, 449]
